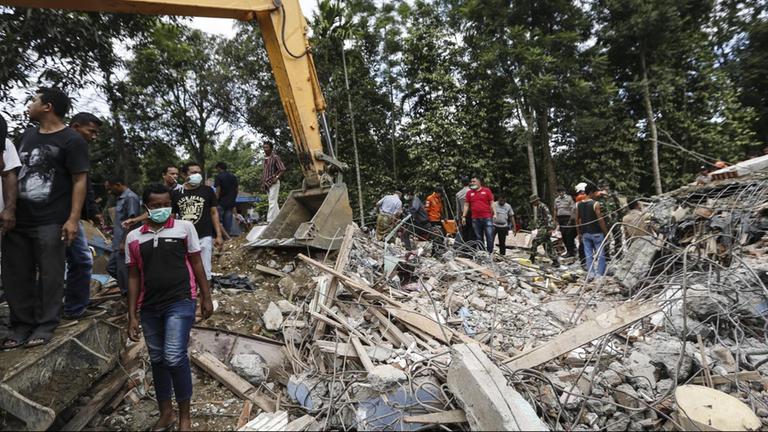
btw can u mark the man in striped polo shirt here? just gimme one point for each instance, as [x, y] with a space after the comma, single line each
[270, 179]
[165, 273]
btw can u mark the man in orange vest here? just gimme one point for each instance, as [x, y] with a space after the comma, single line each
[434, 207]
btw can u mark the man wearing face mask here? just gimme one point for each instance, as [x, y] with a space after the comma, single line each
[127, 207]
[196, 203]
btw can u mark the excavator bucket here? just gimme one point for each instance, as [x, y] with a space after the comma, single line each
[315, 217]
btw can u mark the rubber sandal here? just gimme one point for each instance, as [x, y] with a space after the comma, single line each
[19, 342]
[37, 341]
[169, 427]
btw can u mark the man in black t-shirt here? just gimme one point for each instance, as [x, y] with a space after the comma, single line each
[196, 203]
[226, 185]
[52, 188]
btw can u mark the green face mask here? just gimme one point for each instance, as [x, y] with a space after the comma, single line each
[474, 187]
[159, 215]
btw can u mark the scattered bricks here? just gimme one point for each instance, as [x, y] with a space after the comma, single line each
[482, 391]
[627, 396]
[272, 318]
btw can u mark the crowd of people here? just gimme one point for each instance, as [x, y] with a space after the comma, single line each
[485, 221]
[162, 242]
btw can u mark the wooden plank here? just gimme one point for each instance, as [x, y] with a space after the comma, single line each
[601, 325]
[300, 423]
[730, 378]
[361, 354]
[245, 414]
[475, 266]
[426, 325]
[270, 271]
[390, 327]
[445, 417]
[239, 386]
[341, 320]
[106, 391]
[342, 259]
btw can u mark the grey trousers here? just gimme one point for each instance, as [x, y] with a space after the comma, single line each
[33, 277]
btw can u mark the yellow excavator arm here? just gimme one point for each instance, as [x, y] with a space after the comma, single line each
[315, 215]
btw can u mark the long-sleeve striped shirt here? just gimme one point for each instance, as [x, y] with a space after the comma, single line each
[273, 167]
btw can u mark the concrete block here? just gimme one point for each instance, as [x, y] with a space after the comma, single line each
[481, 389]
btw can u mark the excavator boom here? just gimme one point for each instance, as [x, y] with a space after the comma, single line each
[284, 30]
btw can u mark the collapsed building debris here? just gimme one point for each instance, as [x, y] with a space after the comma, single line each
[382, 338]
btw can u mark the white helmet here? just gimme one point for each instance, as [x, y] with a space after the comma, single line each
[581, 187]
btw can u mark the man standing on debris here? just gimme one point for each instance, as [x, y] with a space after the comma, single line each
[581, 195]
[127, 207]
[634, 222]
[52, 187]
[563, 209]
[390, 208]
[703, 177]
[419, 222]
[434, 207]
[77, 291]
[227, 188]
[270, 179]
[611, 206]
[166, 271]
[592, 230]
[542, 225]
[197, 203]
[503, 222]
[479, 201]
[466, 230]
[171, 178]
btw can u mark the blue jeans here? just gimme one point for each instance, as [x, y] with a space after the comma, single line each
[226, 216]
[484, 230]
[591, 246]
[77, 293]
[166, 332]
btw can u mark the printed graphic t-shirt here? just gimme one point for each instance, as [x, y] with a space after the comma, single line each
[48, 162]
[194, 205]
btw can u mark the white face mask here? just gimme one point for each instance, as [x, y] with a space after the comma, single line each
[195, 179]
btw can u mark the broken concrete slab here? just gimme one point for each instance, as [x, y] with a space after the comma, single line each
[249, 366]
[635, 264]
[384, 377]
[272, 318]
[285, 306]
[480, 386]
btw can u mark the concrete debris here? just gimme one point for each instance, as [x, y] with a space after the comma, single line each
[273, 317]
[383, 377]
[249, 366]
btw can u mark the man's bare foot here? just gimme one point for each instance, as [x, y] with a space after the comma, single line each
[185, 424]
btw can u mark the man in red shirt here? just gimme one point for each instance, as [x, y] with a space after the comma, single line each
[479, 201]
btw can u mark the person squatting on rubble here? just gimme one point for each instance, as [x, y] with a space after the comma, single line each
[503, 222]
[434, 206]
[635, 223]
[611, 206]
[9, 164]
[478, 203]
[389, 208]
[703, 177]
[77, 290]
[592, 231]
[542, 225]
[466, 231]
[563, 209]
[270, 179]
[52, 188]
[227, 187]
[166, 276]
[127, 207]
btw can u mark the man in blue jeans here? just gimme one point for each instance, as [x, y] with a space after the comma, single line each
[77, 291]
[479, 204]
[165, 273]
[592, 229]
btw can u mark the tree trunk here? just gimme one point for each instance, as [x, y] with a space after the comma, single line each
[528, 117]
[542, 123]
[354, 140]
[651, 125]
[121, 147]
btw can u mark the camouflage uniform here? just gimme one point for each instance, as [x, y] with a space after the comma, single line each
[610, 207]
[543, 222]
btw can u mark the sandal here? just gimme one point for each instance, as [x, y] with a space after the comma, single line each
[169, 427]
[16, 343]
[38, 341]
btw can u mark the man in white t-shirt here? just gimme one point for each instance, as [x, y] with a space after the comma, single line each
[8, 188]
